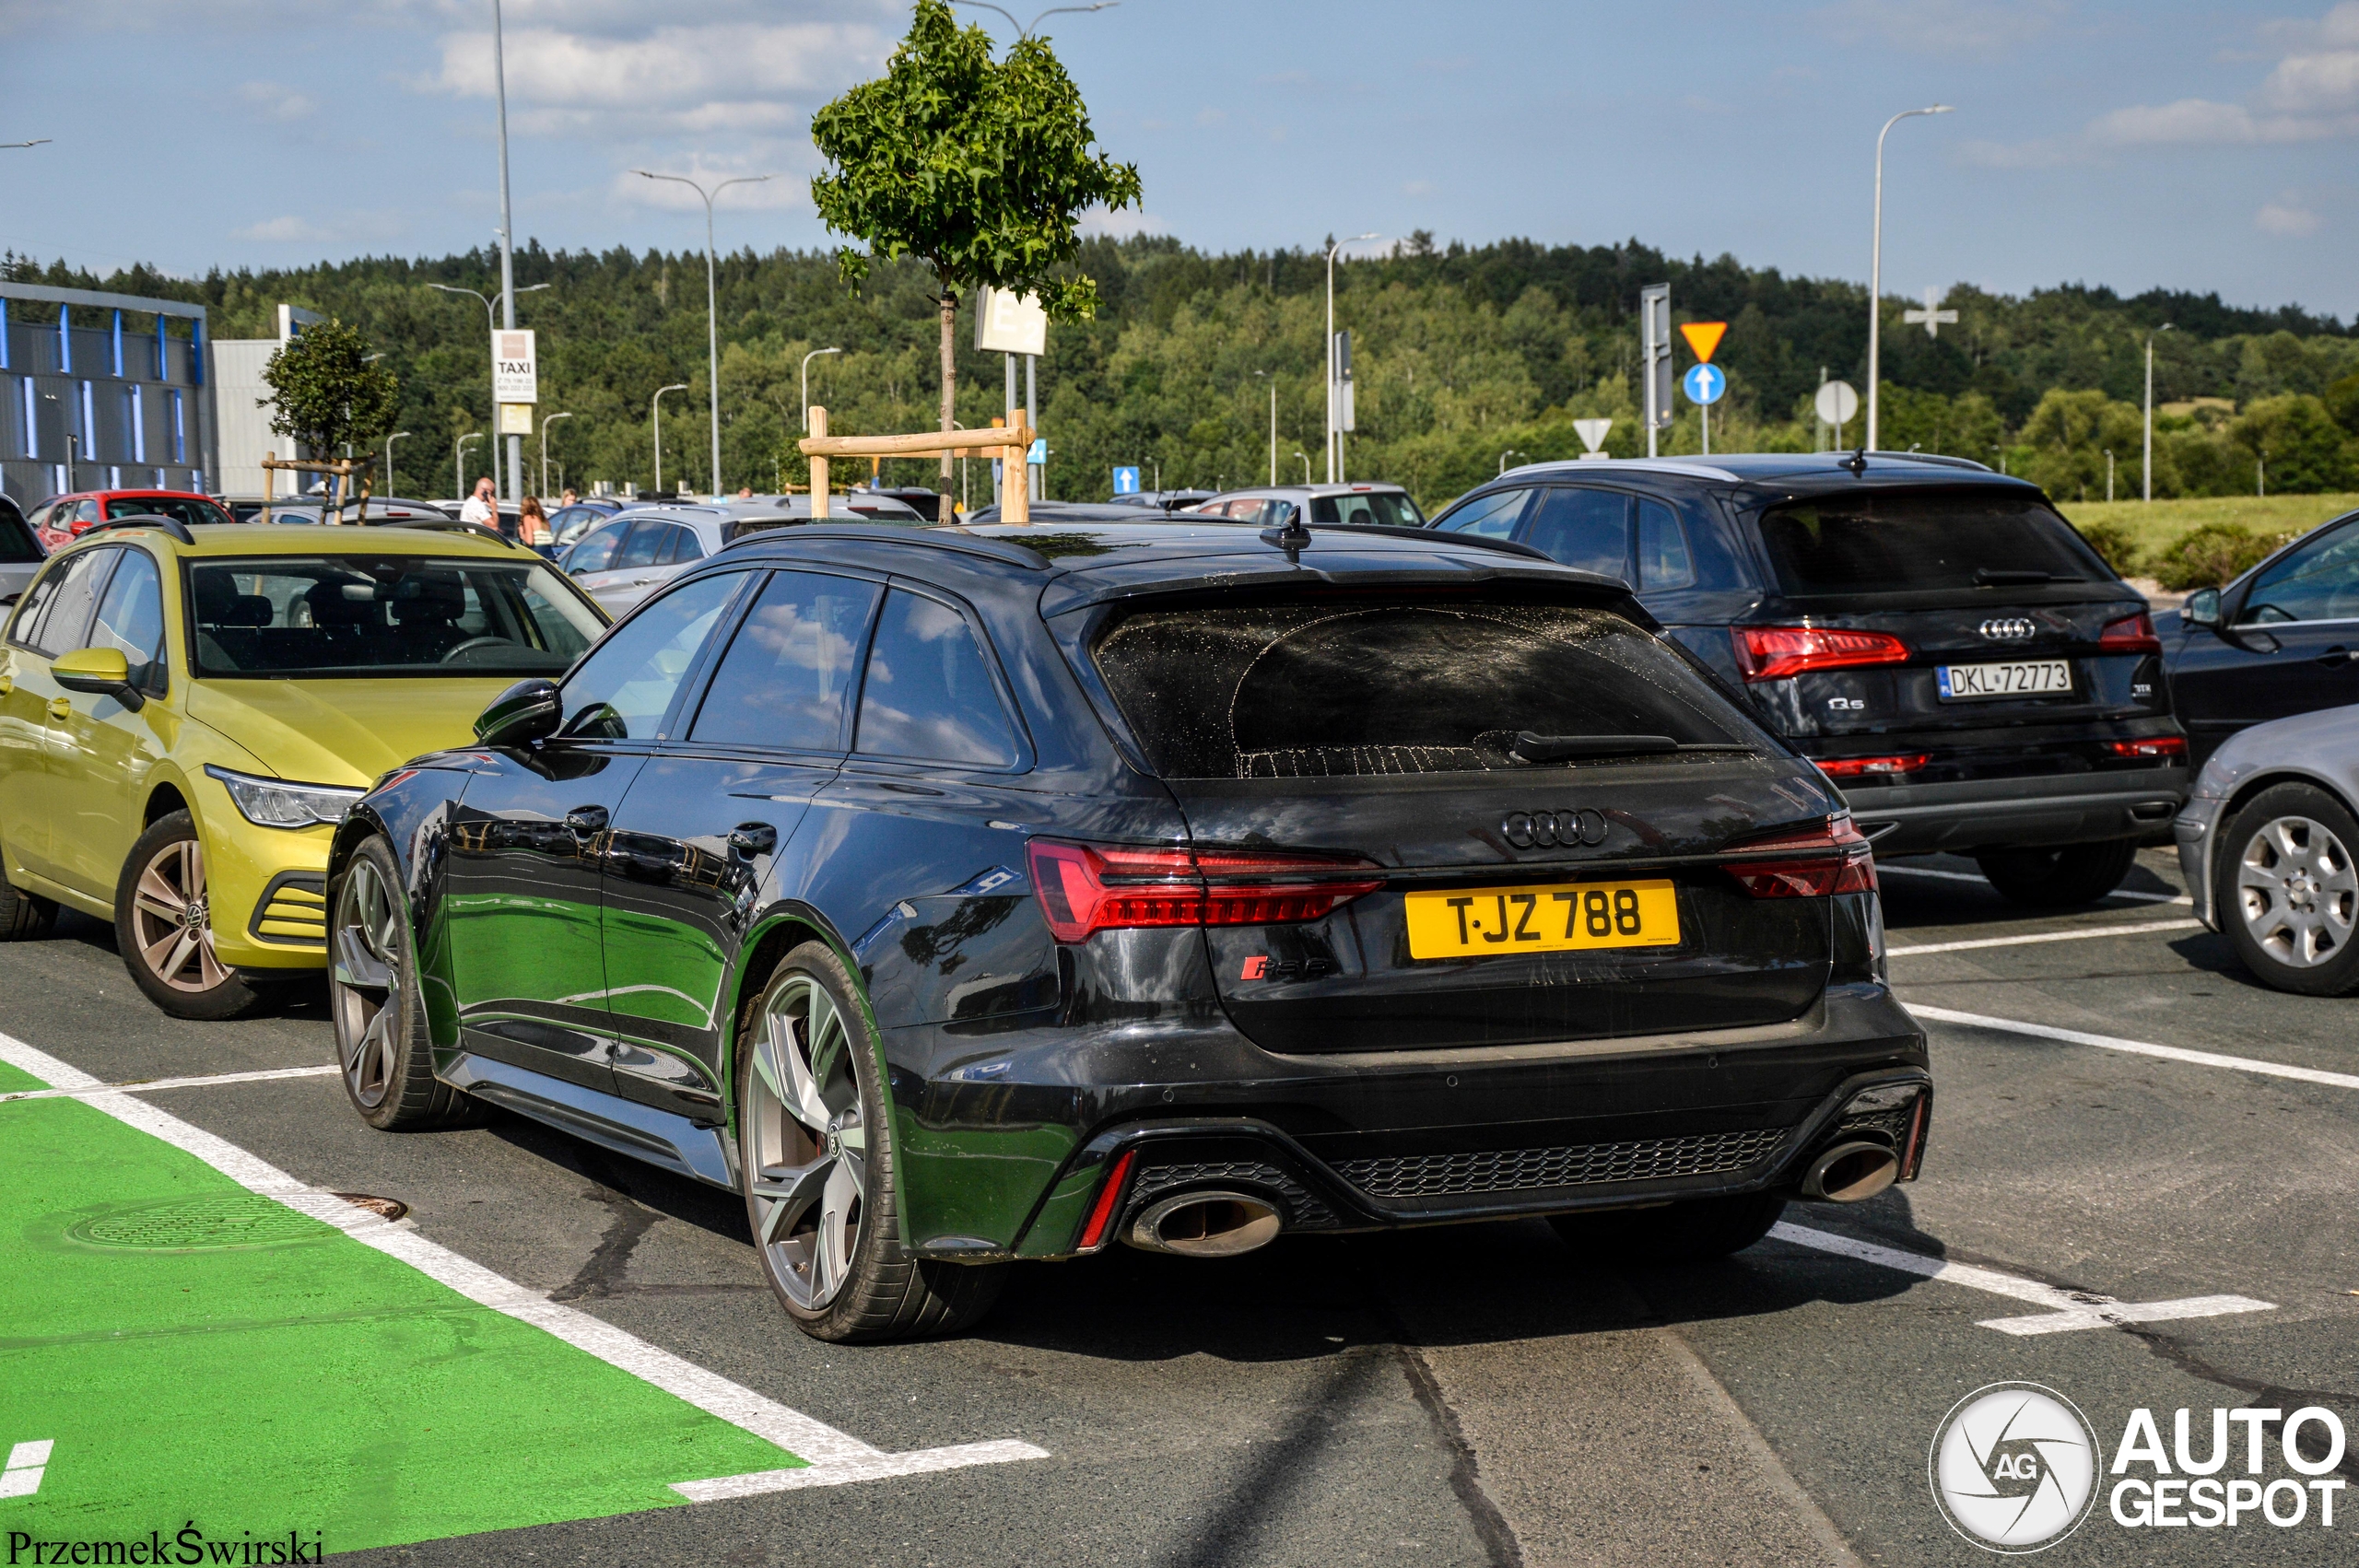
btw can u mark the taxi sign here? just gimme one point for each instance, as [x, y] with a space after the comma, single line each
[1703, 337]
[1704, 383]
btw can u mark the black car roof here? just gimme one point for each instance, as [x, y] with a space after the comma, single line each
[1790, 471]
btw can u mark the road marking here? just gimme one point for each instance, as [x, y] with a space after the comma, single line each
[2069, 1310]
[149, 1085]
[839, 1457]
[2138, 1047]
[1884, 869]
[2081, 934]
[26, 1461]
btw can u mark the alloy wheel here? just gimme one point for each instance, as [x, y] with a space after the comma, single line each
[2297, 891]
[367, 968]
[806, 1150]
[172, 921]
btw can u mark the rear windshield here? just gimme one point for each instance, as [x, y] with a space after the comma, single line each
[1359, 687]
[18, 546]
[385, 615]
[185, 509]
[1896, 541]
[1382, 508]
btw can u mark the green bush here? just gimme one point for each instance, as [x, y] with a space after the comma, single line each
[2114, 543]
[2210, 556]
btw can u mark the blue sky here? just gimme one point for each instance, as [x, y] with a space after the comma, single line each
[2202, 147]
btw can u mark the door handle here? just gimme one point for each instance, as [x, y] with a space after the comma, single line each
[2334, 656]
[752, 838]
[587, 819]
[60, 708]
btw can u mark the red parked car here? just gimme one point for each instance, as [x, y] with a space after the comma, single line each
[63, 519]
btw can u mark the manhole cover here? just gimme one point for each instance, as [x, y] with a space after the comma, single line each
[199, 1225]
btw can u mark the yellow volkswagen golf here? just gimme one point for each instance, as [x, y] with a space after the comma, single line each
[184, 717]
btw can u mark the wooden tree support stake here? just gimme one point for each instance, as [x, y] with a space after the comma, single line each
[1011, 447]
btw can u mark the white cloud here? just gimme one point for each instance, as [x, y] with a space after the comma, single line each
[274, 100]
[1418, 188]
[2286, 216]
[322, 228]
[1120, 225]
[2311, 94]
[1940, 27]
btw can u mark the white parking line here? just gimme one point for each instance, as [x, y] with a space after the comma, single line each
[2079, 934]
[2069, 1309]
[835, 1456]
[149, 1085]
[1884, 869]
[26, 1462]
[2136, 1048]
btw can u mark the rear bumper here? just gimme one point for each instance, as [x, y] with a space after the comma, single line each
[1905, 819]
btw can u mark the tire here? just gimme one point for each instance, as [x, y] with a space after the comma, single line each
[163, 925]
[2285, 892]
[24, 916]
[816, 1161]
[382, 1043]
[2058, 878]
[1693, 1231]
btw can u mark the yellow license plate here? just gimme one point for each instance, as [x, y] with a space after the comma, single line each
[1485, 922]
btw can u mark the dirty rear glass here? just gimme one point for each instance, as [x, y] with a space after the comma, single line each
[1334, 688]
[1896, 540]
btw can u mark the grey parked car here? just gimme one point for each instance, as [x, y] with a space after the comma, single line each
[625, 559]
[2266, 842]
[1274, 506]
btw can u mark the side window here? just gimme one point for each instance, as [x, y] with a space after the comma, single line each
[929, 691]
[1587, 529]
[1663, 558]
[621, 691]
[86, 511]
[26, 624]
[1490, 516]
[131, 618]
[16, 545]
[683, 545]
[786, 679]
[596, 552]
[67, 613]
[2319, 581]
[644, 545]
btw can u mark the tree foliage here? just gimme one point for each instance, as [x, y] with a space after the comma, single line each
[325, 392]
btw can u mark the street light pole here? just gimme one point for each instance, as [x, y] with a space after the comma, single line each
[655, 424]
[507, 247]
[1507, 455]
[1273, 422]
[1875, 270]
[711, 308]
[2146, 463]
[490, 325]
[545, 450]
[396, 436]
[806, 384]
[459, 462]
[1332, 453]
[1306, 466]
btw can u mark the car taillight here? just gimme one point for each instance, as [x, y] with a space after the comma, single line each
[2159, 745]
[1831, 858]
[2132, 634]
[1094, 1234]
[1085, 887]
[1769, 653]
[1871, 766]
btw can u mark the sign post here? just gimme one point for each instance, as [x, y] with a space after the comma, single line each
[1704, 384]
[1654, 363]
[1836, 404]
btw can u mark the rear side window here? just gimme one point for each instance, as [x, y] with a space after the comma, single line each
[1488, 517]
[1587, 529]
[645, 546]
[2318, 582]
[785, 679]
[185, 509]
[1896, 541]
[596, 552]
[1382, 508]
[1664, 561]
[61, 604]
[1322, 688]
[929, 692]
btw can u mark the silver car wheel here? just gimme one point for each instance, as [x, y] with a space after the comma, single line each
[805, 1149]
[365, 970]
[2297, 893]
[172, 920]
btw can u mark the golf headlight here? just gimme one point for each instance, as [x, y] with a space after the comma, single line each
[273, 802]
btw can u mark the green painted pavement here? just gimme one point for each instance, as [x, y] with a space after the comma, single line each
[294, 1380]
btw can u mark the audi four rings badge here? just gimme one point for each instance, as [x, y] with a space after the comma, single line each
[1542, 830]
[2012, 628]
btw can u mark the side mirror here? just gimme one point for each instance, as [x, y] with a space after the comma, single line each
[2201, 609]
[525, 712]
[100, 671]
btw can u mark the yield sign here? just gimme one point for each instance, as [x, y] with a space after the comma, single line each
[1703, 337]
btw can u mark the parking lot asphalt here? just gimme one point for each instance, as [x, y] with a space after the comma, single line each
[1480, 1395]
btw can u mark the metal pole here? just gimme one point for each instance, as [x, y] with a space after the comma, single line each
[806, 383]
[1274, 429]
[1332, 456]
[459, 462]
[1875, 271]
[655, 424]
[2146, 463]
[711, 308]
[1035, 484]
[2108, 476]
[396, 436]
[545, 452]
[507, 248]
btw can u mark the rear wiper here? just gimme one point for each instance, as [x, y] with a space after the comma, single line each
[1530, 747]
[2007, 577]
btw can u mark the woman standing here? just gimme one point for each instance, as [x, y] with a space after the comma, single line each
[533, 525]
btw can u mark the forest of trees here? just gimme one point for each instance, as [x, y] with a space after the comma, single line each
[1460, 355]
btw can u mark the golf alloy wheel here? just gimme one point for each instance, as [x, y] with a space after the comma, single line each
[806, 1148]
[2296, 892]
[366, 969]
[171, 924]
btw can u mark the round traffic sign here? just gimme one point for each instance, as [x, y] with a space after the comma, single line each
[1838, 404]
[1705, 383]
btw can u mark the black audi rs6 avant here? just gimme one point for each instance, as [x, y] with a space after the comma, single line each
[968, 896]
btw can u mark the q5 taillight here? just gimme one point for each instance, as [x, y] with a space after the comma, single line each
[2132, 634]
[1769, 653]
[1833, 857]
[1097, 887]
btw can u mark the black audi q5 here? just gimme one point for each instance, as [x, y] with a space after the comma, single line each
[964, 896]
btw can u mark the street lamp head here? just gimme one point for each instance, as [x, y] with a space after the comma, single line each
[1938, 108]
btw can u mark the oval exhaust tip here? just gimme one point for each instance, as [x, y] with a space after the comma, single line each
[1206, 1224]
[1851, 1173]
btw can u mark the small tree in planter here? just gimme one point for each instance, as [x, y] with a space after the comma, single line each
[325, 393]
[979, 167]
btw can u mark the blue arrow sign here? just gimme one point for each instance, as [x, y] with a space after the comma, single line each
[1704, 383]
[1126, 480]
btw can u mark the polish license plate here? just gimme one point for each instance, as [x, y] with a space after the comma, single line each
[1488, 922]
[2025, 677]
